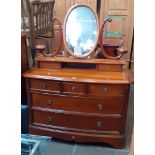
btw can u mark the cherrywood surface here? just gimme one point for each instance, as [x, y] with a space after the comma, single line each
[75, 75]
[68, 59]
[57, 108]
[95, 64]
[43, 116]
[96, 106]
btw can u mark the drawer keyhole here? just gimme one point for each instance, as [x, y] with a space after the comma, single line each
[105, 90]
[50, 119]
[49, 102]
[99, 124]
[100, 106]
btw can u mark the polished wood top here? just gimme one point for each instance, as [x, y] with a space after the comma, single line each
[67, 59]
[77, 75]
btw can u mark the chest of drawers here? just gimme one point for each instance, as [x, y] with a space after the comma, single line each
[78, 105]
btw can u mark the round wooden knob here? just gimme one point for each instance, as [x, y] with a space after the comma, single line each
[73, 137]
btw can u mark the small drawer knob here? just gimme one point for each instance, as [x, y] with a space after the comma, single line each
[73, 88]
[50, 119]
[105, 90]
[100, 106]
[49, 102]
[99, 124]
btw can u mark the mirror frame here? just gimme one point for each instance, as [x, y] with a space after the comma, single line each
[70, 52]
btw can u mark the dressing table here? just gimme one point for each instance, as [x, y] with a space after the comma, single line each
[79, 97]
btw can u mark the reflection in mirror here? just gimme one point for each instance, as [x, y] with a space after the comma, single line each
[81, 31]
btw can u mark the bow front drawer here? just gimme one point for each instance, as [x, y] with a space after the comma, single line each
[78, 104]
[76, 121]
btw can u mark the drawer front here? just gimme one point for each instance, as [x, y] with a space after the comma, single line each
[105, 90]
[73, 88]
[108, 105]
[47, 85]
[77, 122]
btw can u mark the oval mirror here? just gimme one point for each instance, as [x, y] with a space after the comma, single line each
[81, 31]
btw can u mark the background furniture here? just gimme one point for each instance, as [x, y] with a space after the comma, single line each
[37, 22]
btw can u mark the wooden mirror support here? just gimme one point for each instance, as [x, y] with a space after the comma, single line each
[111, 48]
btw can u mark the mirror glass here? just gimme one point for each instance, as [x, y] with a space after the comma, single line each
[81, 31]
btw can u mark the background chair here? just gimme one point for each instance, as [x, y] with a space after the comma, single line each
[36, 17]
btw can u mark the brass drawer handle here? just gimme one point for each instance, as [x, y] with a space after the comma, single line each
[105, 90]
[99, 124]
[100, 106]
[49, 102]
[73, 88]
[50, 119]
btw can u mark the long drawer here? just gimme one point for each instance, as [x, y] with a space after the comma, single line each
[77, 121]
[112, 105]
